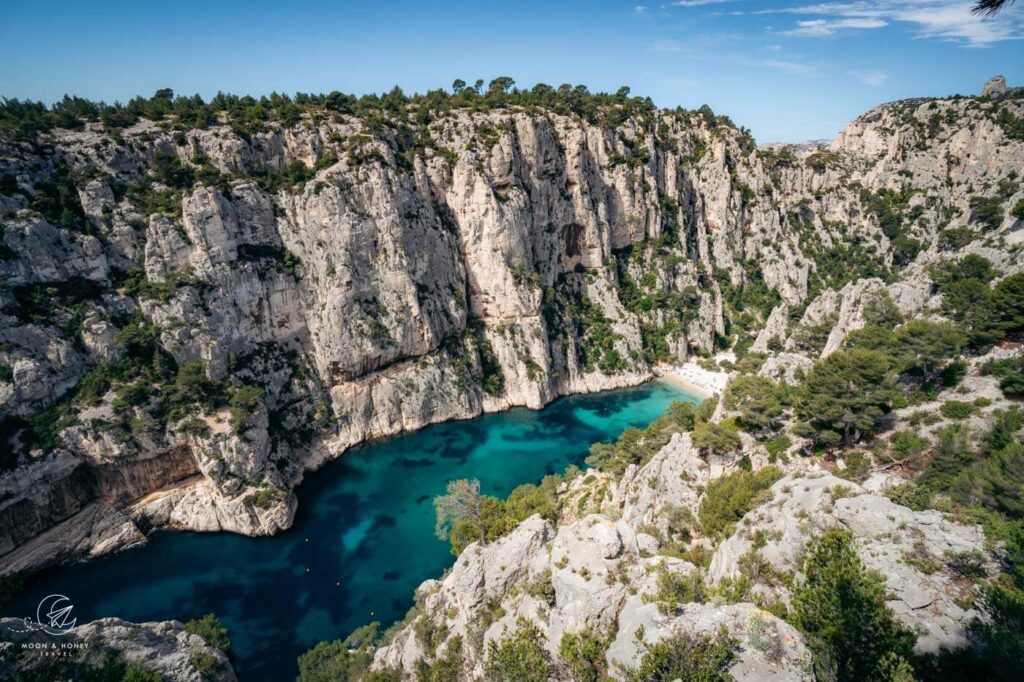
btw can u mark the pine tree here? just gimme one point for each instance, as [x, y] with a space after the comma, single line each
[840, 607]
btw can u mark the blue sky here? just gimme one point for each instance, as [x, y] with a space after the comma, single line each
[788, 69]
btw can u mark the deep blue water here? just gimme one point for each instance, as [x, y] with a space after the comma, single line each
[363, 537]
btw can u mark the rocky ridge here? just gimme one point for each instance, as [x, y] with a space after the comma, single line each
[601, 572]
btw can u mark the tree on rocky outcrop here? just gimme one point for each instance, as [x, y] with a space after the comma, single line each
[840, 607]
[880, 309]
[967, 297]
[845, 396]
[969, 302]
[971, 266]
[759, 401]
[461, 510]
[717, 438]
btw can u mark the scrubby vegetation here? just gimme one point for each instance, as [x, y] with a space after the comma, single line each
[982, 483]
[344, 660]
[248, 115]
[519, 656]
[687, 659]
[729, 497]
[717, 438]
[583, 654]
[147, 390]
[209, 628]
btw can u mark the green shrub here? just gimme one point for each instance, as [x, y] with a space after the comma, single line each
[1010, 372]
[987, 211]
[778, 445]
[56, 198]
[1008, 304]
[729, 497]
[1018, 210]
[332, 662]
[262, 499]
[206, 664]
[519, 656]
[209, 628]
[344, 660]
[956, 238]
[687, 659]
[858, 466]
[244, 401]
[956, 409]
[583, 654]
[134, 672]
[465, 516]
[1012, 385]
[442, 669]
[677, 589]
[906, 445]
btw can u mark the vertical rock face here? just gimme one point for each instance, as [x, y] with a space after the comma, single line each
[287, 292]
[994, 87]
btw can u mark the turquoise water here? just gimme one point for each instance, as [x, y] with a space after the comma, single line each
[363, 537]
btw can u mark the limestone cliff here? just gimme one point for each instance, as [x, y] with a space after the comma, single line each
[193, 316]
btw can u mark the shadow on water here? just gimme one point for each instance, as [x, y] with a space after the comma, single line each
[363, 537]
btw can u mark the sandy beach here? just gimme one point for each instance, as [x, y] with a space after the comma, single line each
[695, 378]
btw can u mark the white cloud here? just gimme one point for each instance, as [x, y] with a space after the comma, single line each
[795, 68]
[698, 3]
[872, 78]
[950, 20]
[821, 28]
[639, 9]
